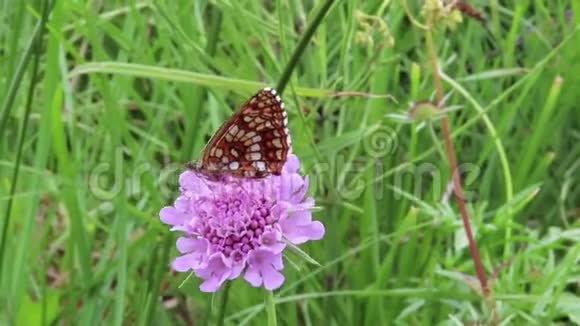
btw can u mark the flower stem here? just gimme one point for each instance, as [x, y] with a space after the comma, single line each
[223, 303]
[271, 308]
[293, 62]
[457, 188]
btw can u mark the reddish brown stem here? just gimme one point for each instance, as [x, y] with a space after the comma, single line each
[469, 10]
[456, 177]
[461, 203]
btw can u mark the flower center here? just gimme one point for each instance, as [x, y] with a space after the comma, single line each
[235, 222]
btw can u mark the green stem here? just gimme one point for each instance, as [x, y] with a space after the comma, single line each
[17, 79]
[271, 308]
[293, 62]
[223, 303]
[36, 47]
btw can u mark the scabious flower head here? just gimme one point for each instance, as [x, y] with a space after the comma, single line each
[240, 226]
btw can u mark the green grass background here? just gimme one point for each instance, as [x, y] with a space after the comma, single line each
[127, 92]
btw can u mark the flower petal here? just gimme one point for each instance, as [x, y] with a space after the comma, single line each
[253, 276]
[292, 164]
[185, 245]
[299, 228]
[263, 266]
[272, 278]
[306, 205]
[289, 183]
[298, 193]
[211, 285]
[182, 203]
[272, 241]
[236, 271]
[185, 262]
[277, 262]
[192, 184]
[170, 215]
[215, 273]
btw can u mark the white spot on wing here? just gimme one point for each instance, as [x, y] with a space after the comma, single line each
[213, 167]
[255, 147]
[259, 165]
[233, 129]
[234, 165]
[277, 143]
[253, 156]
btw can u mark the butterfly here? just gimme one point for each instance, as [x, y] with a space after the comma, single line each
[253, 143]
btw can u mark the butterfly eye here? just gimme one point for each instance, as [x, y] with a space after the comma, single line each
[254, 143]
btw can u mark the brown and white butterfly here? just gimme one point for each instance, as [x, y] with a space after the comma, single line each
[253, 143]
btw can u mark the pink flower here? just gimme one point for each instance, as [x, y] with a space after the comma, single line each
[239, 226]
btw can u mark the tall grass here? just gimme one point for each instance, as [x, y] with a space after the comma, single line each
[127, 93]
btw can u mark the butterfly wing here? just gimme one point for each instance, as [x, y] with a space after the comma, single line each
[254, 143]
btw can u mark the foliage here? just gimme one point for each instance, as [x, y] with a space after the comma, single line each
[126, 94]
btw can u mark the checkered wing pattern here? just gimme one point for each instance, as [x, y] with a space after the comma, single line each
[254, 143]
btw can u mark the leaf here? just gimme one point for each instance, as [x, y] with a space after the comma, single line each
[300, 253]
[31, 310]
